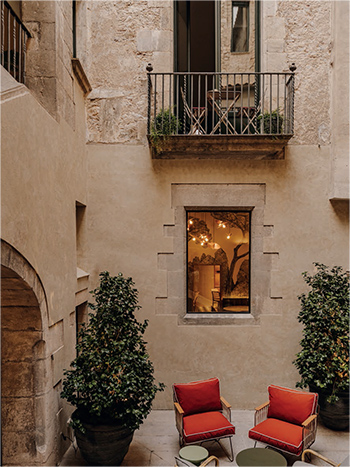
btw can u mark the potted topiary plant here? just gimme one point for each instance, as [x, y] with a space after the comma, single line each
[111, 381]
[271, 123]
[164, 125]
[323, 362]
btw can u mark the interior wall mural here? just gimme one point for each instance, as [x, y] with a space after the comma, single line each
[218, 261]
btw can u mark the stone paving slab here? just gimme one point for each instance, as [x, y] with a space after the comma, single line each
[156, 443]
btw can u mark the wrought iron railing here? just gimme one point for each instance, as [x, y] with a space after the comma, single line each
[14, 36]
[212, 104]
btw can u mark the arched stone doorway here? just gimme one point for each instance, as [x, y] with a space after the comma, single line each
[24, 368]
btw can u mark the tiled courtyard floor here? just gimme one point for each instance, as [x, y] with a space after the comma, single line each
[156, 442]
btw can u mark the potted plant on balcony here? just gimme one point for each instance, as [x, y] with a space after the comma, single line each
[111, 381]
[323, 362]
[271, 123]
[164, 125]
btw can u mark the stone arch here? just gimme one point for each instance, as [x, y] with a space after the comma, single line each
[23, 364]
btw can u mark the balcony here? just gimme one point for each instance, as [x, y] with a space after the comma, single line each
[14, 37]
[220, 115]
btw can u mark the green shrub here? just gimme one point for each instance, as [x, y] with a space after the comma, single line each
[165, 124]
[324, 358]
[112, 377]
[272, 122]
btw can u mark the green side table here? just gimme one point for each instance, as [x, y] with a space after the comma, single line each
[194, 454]
[260, 457]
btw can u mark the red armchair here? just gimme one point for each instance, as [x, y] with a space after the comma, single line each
[201, 414]
[288, 421]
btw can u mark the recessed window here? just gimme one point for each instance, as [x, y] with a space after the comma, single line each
[240, 27]
[218, 261]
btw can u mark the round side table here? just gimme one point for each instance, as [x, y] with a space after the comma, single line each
[194, 454]
[260, 457]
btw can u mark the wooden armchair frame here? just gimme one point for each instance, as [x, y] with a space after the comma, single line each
[203, 464]
[226, 411]
[309, 426]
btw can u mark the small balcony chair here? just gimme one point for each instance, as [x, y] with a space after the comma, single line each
[201, 414]
[288, 421]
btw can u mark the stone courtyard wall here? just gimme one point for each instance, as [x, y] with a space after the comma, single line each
[142, 229]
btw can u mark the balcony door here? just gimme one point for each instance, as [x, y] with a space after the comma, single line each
[197, 36]
[197, 44]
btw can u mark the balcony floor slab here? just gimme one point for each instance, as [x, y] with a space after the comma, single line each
[236, 147]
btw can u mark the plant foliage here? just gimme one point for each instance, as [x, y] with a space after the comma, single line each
[272, 122]
[324, 358]
[112, 376]
[165, 124]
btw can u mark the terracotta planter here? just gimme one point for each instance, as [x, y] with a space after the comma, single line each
[105, 444]
[334, 416]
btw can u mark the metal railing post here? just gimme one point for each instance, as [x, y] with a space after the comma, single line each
[149, 69]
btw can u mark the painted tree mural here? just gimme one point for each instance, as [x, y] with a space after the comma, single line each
[199, 232]
[234, 220]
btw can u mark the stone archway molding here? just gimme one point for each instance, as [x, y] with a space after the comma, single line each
[26, 368]
[14, 260]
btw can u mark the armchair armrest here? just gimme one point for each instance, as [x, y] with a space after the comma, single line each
[309, 420]
[178, 408]
[262, 406]
[261, 413]
[226, 408]
[179, 412]
[211, 458]
[325, 459]
[309, 430]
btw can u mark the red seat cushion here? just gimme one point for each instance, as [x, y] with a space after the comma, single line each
[198, 396]
[280, 434]
[207, 425]
[291, 405]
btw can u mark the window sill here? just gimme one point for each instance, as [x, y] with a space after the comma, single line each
[219, 319]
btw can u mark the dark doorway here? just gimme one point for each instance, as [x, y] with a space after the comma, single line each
[195, 36]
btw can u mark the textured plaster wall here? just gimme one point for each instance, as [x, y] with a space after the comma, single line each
[340, 101]
[236, 62]
[132, 221]
[125, 36]
[43, 169]
[136, 192]
[305, 28]
[49, 53]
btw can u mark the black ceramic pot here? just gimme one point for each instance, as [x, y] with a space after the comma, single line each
[104, 444]
[334, 416]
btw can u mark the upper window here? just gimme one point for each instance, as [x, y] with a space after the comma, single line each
[240, 27]
[218, 261]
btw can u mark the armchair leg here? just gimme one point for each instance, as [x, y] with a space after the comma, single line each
[230, 457]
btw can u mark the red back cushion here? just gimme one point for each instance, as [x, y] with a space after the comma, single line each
[291, 405]
[198, 396]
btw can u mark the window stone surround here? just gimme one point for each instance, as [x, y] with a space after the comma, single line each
[171, 296]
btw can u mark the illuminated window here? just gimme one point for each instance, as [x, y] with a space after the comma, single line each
[240, 27]
[218, 261]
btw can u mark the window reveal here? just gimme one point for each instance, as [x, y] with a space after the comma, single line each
[218, 261]
[240, 27]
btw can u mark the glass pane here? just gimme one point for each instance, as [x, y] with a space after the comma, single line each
[218, 275]
[240, 40]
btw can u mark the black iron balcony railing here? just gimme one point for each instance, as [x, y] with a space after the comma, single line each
[212, 104]
[14, 36]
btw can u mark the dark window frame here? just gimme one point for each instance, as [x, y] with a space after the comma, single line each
[244, 4]
[209, 210]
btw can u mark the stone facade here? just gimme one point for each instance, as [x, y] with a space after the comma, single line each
[81, 194]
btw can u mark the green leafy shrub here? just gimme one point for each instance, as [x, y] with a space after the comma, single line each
[165, 124]
[324, 358]
[112, 377]
[272, 122]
